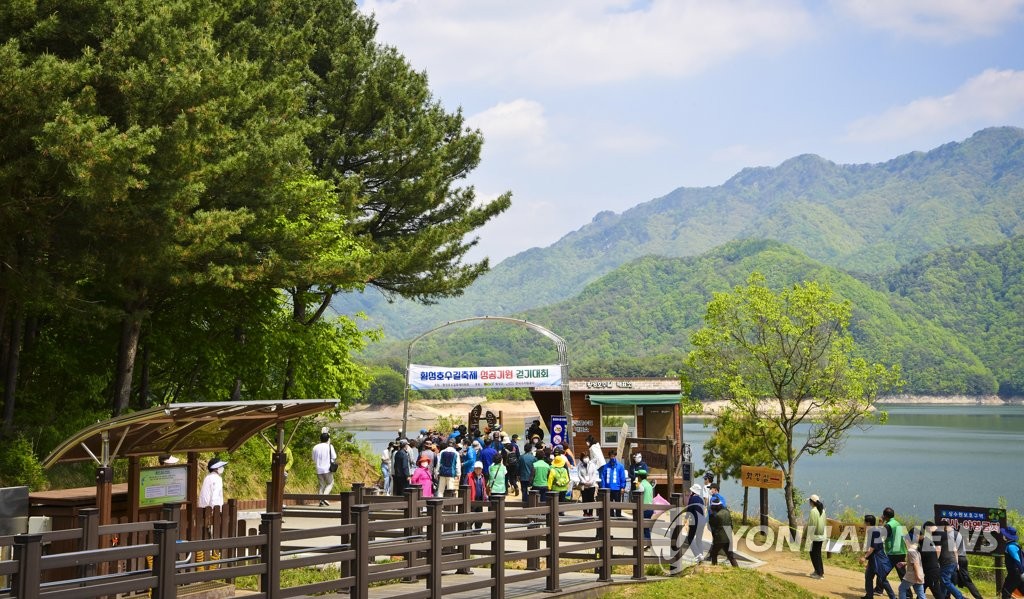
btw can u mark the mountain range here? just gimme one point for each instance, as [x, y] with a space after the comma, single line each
[866, 219]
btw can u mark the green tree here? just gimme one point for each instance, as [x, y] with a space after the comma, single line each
[387, 388]
[783, 359]
[739, 441]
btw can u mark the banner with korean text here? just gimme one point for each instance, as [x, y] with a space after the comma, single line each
[476, 377]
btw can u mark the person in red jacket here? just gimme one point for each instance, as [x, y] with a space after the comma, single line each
[477, 488]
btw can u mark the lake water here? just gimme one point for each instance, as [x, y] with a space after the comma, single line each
[925, 454]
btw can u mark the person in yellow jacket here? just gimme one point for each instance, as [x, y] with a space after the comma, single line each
[558, 476]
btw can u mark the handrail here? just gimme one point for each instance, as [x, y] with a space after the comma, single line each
[441, 540]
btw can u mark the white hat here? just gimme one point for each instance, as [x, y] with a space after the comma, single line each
[479, 465]
[217, 463]
[814, 498]
[168, 460]
[696, 488]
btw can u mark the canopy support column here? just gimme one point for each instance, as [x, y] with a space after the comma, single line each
[275, 503]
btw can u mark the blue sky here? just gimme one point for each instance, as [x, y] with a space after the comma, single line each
[592, 105]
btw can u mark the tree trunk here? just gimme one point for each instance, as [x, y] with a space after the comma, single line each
[142, 402]
[131, 327]
[790, 506]
[11, 371]
[746, 501]
[236, 392]
[299, 316]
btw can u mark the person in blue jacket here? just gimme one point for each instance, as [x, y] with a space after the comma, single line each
[613, 478]
[1014, 563]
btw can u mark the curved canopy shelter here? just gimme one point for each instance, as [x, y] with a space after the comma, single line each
[183, 428]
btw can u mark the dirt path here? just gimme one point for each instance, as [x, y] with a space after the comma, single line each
[838, 582]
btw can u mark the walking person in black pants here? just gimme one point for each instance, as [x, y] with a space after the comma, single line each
[817, 532]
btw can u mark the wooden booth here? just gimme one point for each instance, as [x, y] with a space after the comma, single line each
[615, 409]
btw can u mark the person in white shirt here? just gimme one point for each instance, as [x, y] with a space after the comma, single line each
[595, 453]
[212, 492]
[323, 457]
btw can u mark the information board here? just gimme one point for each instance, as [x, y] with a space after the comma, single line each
[166, 484]
[979, 526]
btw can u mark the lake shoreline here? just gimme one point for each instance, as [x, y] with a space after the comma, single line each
[423, 413]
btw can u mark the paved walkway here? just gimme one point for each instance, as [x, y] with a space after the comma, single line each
[573, 584]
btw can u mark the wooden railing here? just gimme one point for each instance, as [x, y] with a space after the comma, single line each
[423, 538]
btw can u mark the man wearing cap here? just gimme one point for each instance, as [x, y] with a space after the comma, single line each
[695, 510]
[705, 489]
[1014, 564]
[817, 532]
[720, 523]
[401, 467]
[212, 492]
[647, 497]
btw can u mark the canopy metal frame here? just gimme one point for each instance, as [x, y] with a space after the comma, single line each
[560, 347]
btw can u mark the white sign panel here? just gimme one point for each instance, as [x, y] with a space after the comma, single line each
[476, 377]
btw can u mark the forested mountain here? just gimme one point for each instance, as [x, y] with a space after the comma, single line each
[953, 319]
[978, 293]
[868, 218]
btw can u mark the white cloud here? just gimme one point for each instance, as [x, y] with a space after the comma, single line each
[948, 20]
[581, 41]
[517, 121]
[744, 155]
[987, 99]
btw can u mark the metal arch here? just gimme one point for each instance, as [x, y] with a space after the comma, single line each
[560, 347]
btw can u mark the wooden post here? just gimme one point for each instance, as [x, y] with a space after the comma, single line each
[346, 518]
[465, 507]
[275, 495]
[999, 572]
[638, 536]
[134, 469]
[358, 493]
[89, 521]
[192, 490]
[361, 567]
[605, 532]
[497, 548]
[28, 552]
[435, 559]
[671, 454]
[764, 506]
[533, 542]
[164, 567]
[553, 551]
[412, 509]
[270, 581]
[677, 536]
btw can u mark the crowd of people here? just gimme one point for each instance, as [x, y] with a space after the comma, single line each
[932, 556]
[490, 462]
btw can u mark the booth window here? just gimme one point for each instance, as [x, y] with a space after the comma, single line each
[612, 419]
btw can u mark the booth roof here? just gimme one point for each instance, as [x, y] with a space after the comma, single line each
[183, 427]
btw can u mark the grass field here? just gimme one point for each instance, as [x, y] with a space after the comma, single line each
[728, 582]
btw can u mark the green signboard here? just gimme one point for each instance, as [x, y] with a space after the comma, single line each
[166, 484]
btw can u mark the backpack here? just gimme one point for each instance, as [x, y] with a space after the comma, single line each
[512, 460]
[561, 477]
[447, 467]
